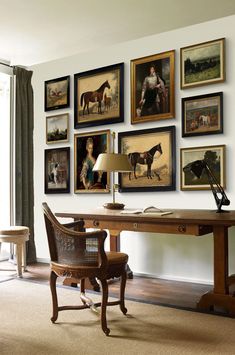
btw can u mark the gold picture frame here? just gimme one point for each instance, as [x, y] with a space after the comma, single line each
[202, 64]
[215, 157]
[87, 147]
[153, 87]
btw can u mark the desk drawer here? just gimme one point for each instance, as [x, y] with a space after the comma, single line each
[172, 228]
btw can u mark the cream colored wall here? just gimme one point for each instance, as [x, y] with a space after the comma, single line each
[167, 256]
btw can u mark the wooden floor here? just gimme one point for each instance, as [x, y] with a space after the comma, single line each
[158, 291]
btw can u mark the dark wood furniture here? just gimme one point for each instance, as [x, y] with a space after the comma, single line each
[181, 222]
[80, 255]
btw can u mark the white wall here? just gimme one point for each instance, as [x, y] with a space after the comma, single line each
[167, 256]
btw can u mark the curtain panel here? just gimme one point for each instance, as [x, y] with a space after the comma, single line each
[24, 125]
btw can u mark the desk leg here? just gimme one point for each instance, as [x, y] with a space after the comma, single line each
[115, 246]
[220, 295]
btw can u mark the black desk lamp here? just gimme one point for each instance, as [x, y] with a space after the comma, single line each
[197, 168]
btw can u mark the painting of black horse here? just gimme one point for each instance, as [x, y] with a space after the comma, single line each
[94, 96]
[145, 158]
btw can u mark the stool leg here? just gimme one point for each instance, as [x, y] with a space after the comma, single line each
[24, 256]
[19, 259]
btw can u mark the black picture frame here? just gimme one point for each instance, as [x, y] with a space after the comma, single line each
[202, 115]
[61, 182]
[163, 177]
[108, 105]
[57, 93]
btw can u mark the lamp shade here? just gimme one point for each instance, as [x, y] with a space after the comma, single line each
[112, 162]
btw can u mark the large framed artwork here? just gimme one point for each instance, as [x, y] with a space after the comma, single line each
[57, 170]
[153, 87]
[57, 128]
[203, 63]
[202, 115]
[215, 158]
[99, 96]
[57, 93]
[87, 147]
[151, 154]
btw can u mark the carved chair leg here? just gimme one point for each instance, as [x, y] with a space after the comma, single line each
[53, 278]
[82, 290]
[104, 285]
[122, 292]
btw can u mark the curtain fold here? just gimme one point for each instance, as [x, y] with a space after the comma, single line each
[24, 125]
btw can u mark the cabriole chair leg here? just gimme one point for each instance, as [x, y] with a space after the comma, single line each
[104, 285]
[122, 292]
[53, 278]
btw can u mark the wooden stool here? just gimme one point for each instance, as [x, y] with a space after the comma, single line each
[17, 235]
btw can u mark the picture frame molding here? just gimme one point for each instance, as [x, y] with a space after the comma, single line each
[56, 191]
[51, 81]
[172, 131]
[62, 140]
[199, 97]
[150, 59]
[223, 167]
[202, 83]
[88, 134]
[101, 121]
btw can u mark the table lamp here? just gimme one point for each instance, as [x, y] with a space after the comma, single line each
[111, 163]
[197, 167]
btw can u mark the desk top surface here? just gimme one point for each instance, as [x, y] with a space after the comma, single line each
[204, 217]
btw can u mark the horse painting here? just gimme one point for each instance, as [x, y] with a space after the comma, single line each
[145, 158]
[94, 96]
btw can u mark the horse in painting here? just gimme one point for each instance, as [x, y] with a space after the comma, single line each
[94, 96]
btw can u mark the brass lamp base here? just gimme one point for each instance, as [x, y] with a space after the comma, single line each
[114, 206]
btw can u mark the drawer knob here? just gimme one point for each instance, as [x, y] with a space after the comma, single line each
[182, 228]
[96, 223]
[135, 225]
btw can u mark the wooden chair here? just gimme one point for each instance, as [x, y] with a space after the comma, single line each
[81, 255]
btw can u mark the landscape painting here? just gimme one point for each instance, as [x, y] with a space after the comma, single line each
[214, 157]
[202, 115]
[98, 96]
[151, 153]
[203, 63]
[57, 128]
[57, 93]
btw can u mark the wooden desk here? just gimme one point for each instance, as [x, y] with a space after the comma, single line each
[181, 222]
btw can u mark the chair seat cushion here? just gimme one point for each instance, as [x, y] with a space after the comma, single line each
[116, 257]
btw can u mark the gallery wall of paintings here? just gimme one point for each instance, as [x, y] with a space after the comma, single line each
[99, 100]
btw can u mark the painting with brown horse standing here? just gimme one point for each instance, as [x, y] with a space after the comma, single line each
[99, 96]
[94, 96]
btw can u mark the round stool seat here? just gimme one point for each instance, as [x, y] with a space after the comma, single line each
[17, 235]
[14, 230]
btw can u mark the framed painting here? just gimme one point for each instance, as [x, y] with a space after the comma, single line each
[57, 128]
[215, 158]
[57, 93]
[202, 115]
[153, 87]
[99, 96]
[57, 170]
[151, 153]
[87, 147]
[202, 64]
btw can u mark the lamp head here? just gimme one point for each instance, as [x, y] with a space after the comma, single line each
[111, 162]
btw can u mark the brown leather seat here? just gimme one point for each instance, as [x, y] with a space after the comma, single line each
[78, 255]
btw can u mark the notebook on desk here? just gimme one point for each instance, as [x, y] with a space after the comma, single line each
[147, 210]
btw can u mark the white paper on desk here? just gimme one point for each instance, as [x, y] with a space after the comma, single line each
[155, 213]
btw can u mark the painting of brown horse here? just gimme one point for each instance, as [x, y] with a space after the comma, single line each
[94, 96]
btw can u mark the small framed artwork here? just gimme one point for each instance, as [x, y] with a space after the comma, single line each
[57, 128]
[215, 158]
[202, 115]
[151, 153]
[99, 96]
[57, 170]
[153, 87]
[57, 93]
[87, 147]
[202, 64]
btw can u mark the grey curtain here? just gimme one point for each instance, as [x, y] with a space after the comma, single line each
[24, 125]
